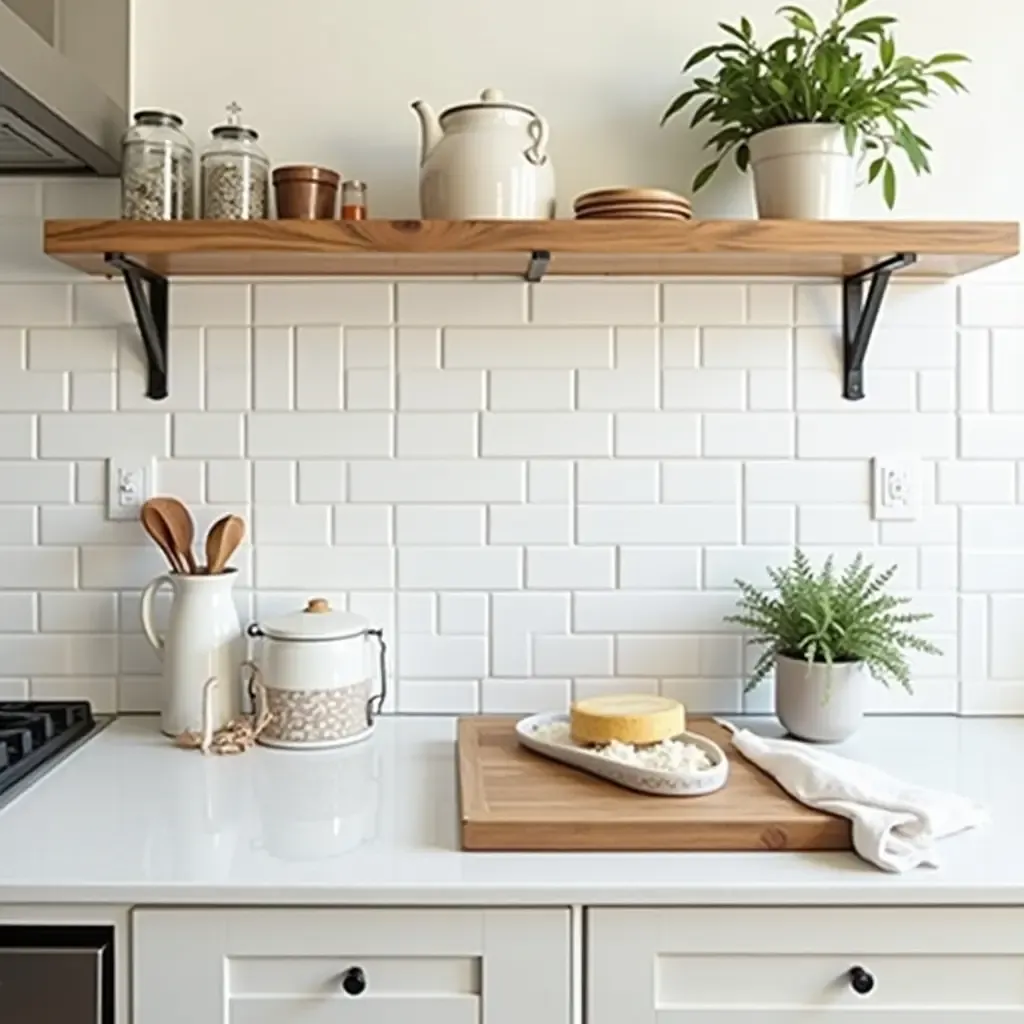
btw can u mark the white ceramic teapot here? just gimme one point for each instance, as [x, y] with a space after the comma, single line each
[485, 160]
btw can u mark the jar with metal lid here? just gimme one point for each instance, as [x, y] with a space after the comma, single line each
[314, 677]
[235, 172]
[157, 168]
[353, 200]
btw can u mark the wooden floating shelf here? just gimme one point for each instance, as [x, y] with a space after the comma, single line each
[389, 248]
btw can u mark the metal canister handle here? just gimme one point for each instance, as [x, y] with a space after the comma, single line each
[376, 702]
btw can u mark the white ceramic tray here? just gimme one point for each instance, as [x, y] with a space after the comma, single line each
[644, 780]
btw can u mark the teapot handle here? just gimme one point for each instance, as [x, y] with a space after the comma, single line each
[536, 151]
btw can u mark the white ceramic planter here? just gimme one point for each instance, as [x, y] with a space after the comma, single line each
[314, 675]
[820, 703]
[803, 172]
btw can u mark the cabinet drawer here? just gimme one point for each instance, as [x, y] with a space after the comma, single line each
[783, 966]
[364, 967]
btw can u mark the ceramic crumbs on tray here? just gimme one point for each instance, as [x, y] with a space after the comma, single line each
[666, 756]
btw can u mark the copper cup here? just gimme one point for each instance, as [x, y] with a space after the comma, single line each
[304, 192]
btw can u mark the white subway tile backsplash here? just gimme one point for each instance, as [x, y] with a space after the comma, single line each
[442, 390]
[608, 481]
[36, 483]
[976, 483]
[437, 481]
[362, 524]
[928, 435]
[292, 524]
[434, 525]
[769, 390]
[697, 482]
[436, 435]
[505, 348]
[702, 303]
[564, 568]
[466, 302]
[361, 303]
[530, 524]
[17, 436]
[748, 435]
[206, 305]
[654, 568]
[530, 390]
[545, 434]
[443, 657]
[208, 435]
[657, 524]
[323, 568]
[549, 482]
[655, 435]
[319, 368]
[703, 389]
[604, 302]
[85, 435]
[617, 389]
[459, 568]
[748, 348]
[72, 348]
[463, 614]
[273, 368]
[319, 435]
[573, 656]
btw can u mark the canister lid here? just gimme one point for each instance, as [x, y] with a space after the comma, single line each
[317, 621]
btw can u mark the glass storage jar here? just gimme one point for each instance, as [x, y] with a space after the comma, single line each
[157, 168]
[235, 172]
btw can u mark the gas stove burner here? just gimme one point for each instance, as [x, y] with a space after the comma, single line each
[35, 732]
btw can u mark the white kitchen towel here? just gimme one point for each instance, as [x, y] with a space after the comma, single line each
[895, 824]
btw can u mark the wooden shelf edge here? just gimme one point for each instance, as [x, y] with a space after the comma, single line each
[443, 248]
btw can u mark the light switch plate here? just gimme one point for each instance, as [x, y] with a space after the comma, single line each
[131, 481]
[896, 487]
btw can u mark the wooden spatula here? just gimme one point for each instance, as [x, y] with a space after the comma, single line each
[154, 523]
[222, 542]
[182, 529]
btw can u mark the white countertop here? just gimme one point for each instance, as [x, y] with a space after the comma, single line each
[129, 819]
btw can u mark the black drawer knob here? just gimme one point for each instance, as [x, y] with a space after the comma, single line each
[861, 981]
[353, 981]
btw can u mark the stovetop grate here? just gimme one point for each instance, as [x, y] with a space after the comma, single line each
[34, 732]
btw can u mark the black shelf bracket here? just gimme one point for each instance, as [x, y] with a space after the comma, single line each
[860, 316]
[148, 292]
[538, 265]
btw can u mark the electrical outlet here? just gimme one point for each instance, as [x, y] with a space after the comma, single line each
[897, 487]
[131, 481]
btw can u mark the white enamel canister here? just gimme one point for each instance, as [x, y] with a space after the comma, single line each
[316, 673]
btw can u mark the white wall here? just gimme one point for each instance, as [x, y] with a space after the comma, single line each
[331, 81]
[536, 491]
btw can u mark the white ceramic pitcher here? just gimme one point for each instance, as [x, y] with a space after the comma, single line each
[203, 641]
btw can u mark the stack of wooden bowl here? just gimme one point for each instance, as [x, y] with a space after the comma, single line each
[631, 204]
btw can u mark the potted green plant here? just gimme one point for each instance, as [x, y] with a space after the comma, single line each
[825, 634]
[801, 110]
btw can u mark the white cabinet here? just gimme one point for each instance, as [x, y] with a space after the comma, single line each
[456, 966]
[942, 965]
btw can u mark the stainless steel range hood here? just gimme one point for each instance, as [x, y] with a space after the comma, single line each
[63, 85]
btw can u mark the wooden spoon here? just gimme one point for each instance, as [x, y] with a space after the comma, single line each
[182, 529]
[222, 542]
[154, 523]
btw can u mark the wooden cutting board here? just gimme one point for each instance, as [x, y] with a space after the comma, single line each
[513, 799]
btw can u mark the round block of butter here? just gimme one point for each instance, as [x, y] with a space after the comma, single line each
[629, 718]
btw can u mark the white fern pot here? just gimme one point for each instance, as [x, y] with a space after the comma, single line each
[818, 702]
[803, 172]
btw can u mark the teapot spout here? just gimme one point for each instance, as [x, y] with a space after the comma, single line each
[431, 132]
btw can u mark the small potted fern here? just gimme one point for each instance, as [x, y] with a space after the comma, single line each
[825, 634]
[801, 109]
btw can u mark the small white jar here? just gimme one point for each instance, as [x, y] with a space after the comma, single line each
[315, 678]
